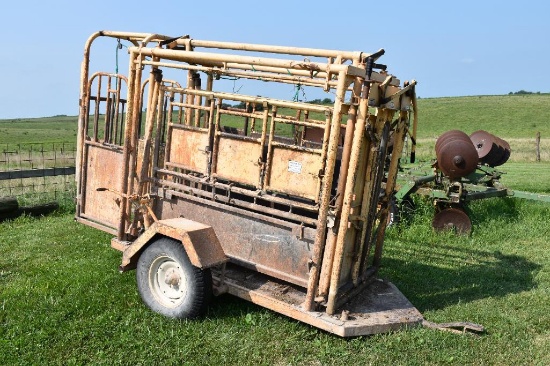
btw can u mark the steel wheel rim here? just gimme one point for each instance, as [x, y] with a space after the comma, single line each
[167, 281]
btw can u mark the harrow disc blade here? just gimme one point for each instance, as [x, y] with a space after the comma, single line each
[447, 136]
[507, 150]
[488, 149]
[491, 149]
[456, 154]
[452, 219]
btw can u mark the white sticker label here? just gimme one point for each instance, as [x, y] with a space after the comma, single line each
[294, 167]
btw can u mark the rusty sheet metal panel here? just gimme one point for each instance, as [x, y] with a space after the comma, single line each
[248, 241]
[295, 172]
[188, 149]
[238, 160]
[103, 170]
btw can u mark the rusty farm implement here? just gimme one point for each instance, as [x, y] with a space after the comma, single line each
[466, 168]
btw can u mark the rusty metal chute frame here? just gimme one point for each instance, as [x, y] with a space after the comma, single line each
[305, 209]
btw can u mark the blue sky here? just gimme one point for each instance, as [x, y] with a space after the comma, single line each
[450, 48]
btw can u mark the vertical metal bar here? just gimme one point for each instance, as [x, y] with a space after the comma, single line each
[245, 128]
[211, 130]
[155, 105]
[198, 100]
[180, 109]
[328, 257]
[319, 244]
[189, 98]
[216, 138]
[209, 87]
[398, 140]
[159, 133]
[253, 120]
[143, 86]
[167, 113]
[82, 117]
[415, 125]
[267, 174]
[367, 197]
[134, 144]
[122, 119]
[117, 109]
[133, 87]
[97, 102]
[108, 107]
[375, 180]
[262, 144]
[346, 207]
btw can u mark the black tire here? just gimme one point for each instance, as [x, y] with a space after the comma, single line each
[169, 284]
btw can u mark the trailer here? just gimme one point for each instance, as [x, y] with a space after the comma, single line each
[208, 191]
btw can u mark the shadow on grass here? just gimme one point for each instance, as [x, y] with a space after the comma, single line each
[435, 276]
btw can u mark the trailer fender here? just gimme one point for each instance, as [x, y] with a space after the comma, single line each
[199, 240]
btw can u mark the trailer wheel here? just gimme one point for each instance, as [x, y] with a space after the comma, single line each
[169, 284]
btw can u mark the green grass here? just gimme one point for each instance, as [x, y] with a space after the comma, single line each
[532, 177]
[507, 116]
[63, 302]
[30, 130]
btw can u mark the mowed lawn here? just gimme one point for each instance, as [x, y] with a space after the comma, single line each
[63, 302]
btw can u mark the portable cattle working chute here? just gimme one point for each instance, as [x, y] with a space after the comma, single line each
[209, 191]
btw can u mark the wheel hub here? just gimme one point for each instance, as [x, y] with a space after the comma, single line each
[166, 279]
[172, 278]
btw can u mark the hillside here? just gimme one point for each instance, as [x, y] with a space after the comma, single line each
[47, 129]
[516, 118]
[507, 116]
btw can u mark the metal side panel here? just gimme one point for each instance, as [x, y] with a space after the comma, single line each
[251, 242]
[188, 148]
[103, 170]
[295, 172]
[237, 160]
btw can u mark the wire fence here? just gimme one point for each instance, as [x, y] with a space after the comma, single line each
[38, 172]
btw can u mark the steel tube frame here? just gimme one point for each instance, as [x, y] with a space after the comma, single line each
[319, 244]
[334, 73]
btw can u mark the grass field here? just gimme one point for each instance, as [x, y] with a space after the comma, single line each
[44, 130]
[63, 302]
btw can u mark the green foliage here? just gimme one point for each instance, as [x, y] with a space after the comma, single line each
[321, 101]
[520, 92]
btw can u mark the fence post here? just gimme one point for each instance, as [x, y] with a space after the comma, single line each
[538, 146]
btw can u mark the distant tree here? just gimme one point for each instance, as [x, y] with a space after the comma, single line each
[321, 101]
[242, 105]
[521, 92]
